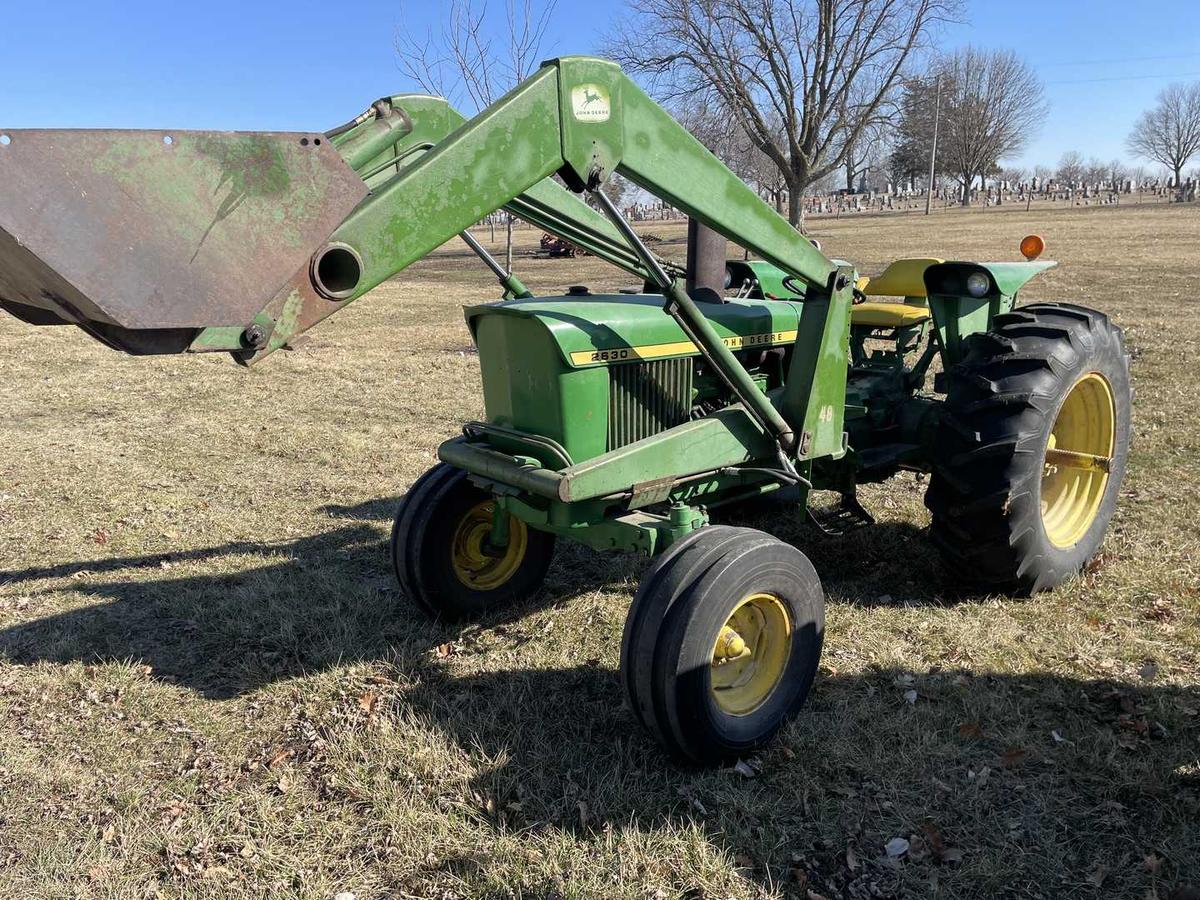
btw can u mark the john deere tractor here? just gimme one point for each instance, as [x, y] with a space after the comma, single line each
[623, 421]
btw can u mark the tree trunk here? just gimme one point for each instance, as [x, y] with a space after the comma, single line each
[795, 206]
[1179, 183]
[508, 248]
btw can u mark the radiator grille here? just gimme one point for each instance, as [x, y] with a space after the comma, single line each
[646, 398]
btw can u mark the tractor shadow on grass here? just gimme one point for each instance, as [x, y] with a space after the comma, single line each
[1030, 777]
[1027, 775]
[329, 598]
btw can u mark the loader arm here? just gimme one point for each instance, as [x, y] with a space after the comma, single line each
[584, 120]
[545, 126]
[398, 130]
[174, 241]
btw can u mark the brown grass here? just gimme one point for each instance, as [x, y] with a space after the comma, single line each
[209, 685]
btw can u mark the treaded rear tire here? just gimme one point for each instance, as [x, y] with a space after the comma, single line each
[1002, 401]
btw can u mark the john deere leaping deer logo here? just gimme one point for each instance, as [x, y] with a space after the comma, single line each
[590, 103]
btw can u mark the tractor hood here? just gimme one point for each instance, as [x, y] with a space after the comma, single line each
[596, 330]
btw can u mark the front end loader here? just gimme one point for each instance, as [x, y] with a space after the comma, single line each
[630, 421]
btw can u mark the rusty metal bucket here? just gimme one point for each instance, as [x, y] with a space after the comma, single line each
[144, 237]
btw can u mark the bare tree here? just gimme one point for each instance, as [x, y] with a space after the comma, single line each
[1071, 168]
[1041, 175]
[710, 125]
[1095, 172]
[992, 104]
[1170, 132]
[1117, 173]
[804, 79]
[466, 63]
[1013, 176]
[865, 157]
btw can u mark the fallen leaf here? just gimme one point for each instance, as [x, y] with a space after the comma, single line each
[100, 536]
[1148, 670]
[109, 834]
[952, 855]
[1057, 736]
[1152, 863]
[744, 769]
[910, 697]
[970, 730]
[444, 650]
[1012, 758]
[1098, 875]
[852, 862]
[896, 847]
[933, 837]
[367, 702]
[279, 757]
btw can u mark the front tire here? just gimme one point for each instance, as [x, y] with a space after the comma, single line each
[1032, 448]
[440, 552]
[722, 643]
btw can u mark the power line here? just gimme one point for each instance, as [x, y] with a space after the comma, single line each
[1119, 59]
[1125, 78]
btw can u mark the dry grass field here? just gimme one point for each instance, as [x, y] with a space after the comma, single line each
[210, 687]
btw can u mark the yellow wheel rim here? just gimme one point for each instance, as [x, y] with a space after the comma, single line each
[751, 653]
[476, 569]
[1078, 460]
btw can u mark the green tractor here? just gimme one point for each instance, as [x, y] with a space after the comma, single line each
[627, 421]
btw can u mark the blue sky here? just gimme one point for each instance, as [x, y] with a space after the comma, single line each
[266, 65]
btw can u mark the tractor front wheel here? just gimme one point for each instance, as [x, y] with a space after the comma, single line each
[1031, 448]
[722, 642]
[444, 558]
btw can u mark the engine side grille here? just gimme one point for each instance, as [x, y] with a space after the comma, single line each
[646, 398]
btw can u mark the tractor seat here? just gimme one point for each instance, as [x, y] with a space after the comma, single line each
[903, 278]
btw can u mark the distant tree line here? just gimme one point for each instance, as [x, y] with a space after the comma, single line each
[813, 97]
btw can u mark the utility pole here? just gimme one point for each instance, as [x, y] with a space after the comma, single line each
[937, 114]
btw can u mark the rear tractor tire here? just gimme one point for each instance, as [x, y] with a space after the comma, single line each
[441, 555]
[722, 643]
[1031, 448]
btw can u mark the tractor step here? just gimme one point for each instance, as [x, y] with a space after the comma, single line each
[847, 516]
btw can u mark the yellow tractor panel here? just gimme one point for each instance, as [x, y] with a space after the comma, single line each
[888, 315]
[903, 278]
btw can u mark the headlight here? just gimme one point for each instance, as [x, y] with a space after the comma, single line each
[978, 284]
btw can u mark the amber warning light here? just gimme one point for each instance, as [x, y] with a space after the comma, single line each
[1032, 247]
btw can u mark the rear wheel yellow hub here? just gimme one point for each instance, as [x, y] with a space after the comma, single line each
[1078, 460]
[480, 570]
[751, 653]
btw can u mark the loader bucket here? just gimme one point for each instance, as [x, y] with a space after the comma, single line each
[142, 238]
